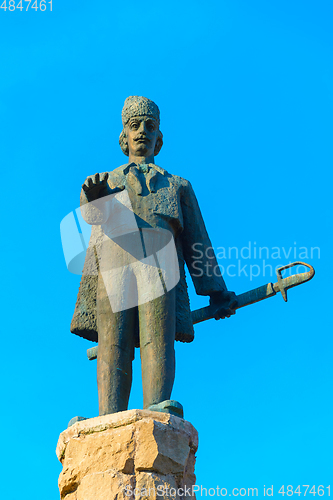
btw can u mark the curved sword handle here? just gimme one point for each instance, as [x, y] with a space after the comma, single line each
[283, 284]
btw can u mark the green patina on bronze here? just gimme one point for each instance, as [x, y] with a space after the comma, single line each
[164, 203]
[160, 201]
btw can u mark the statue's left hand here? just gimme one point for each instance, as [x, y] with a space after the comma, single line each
[225, 303]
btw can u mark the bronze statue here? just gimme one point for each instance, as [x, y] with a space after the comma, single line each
[123, 300]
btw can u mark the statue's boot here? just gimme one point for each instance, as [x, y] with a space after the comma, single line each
[74, 420]
[168, 406]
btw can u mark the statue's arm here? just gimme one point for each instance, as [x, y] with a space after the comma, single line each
[200, 258]
[198, 252]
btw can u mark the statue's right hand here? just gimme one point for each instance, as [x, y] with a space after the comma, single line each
[95, 186]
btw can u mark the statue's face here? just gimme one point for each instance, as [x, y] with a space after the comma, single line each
[142, 133]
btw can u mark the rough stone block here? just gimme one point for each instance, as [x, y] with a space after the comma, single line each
[128, 455]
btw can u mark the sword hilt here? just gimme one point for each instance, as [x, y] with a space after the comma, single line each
[283, 284]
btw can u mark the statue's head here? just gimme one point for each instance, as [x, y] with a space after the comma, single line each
[141, 135]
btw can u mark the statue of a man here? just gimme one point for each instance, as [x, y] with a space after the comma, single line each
[160, 204]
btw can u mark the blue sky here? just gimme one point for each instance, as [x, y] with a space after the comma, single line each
[245, 91]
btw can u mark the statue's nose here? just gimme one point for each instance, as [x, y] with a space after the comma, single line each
[143, 127]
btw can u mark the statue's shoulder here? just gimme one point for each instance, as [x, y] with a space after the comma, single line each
[180, 182]
[117, 176]
[119, 170]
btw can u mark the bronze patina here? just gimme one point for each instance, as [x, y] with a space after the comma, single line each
[162, 204]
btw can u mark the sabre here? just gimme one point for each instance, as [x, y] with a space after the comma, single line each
[262, 292]
[251, 297]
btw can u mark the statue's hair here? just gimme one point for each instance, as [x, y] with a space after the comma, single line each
[124, 144]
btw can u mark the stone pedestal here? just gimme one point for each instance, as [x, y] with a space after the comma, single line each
[128, 455]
